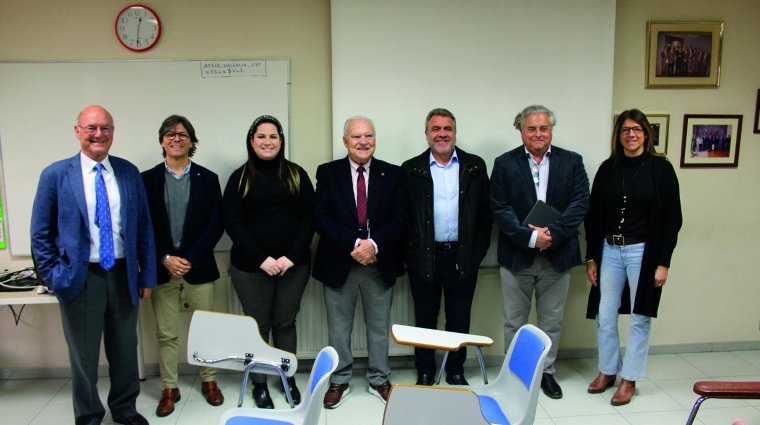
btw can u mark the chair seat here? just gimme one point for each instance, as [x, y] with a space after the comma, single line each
[491, 410]
[718, 389]
[247, 420]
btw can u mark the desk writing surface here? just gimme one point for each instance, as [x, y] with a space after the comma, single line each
[39, 103]
[433, 338]
[26, 297]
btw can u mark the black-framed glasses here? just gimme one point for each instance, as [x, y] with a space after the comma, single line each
[182, 136]
[92, 129]
[626, 130]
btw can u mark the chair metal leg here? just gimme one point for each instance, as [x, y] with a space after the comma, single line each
[482, 366]
[286, 388]
[244, 386]
[443, 365]
[694, 410]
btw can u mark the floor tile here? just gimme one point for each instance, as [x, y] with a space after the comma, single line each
[671, 366]
[30, 391]
[673, 417]
[750, 356]
[725, 415]
[567, 374]
[20, 414]
[544, 421]
[681, 390]
[588, 368]
[720, 364]
[54, 414]
[575, 402]
[592, 420]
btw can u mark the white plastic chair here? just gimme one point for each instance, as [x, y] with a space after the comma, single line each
[511, 399]
[306, 413]
[233, 342]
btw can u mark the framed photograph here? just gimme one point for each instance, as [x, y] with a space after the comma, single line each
[711, 141]
[683, 54]
[756, 128]
[660, 130]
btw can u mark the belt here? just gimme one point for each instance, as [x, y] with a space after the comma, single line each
[119, 262]
[620, 240]
[446, 245]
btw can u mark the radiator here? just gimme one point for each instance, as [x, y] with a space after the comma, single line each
[311, 322]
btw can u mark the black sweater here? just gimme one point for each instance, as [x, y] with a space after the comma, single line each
[269, 221]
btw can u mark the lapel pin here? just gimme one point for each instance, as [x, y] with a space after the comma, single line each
[382, 174]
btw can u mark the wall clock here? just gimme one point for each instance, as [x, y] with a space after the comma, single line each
[138, 28]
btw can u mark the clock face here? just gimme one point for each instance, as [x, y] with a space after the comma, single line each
[138, 28]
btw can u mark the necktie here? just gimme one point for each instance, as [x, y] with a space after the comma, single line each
[361, 199]
[103, 220]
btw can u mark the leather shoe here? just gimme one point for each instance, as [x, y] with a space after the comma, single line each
[166, 405]
[424, 379]
[137, 419]
[601, 383]
[456, 380]
[381, 391]
[294, 392]
[212, 393]
[550, 386]
[624, 393]
[261, 396]
[335, 395]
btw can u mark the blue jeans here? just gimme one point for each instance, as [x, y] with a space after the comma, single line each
[619, 263]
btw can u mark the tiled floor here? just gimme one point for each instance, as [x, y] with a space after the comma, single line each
[664, 398]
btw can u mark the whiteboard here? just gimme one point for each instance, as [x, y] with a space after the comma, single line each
[39, 104]
[484, 60]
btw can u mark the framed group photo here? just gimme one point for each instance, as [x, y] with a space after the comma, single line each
[683, 54]
[660, 130]
[711, 141]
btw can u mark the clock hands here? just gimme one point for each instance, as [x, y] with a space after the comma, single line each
[139, 21]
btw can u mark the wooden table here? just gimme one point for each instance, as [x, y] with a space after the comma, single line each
[441, 340]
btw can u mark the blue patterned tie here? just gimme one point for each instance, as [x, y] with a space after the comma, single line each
[103, 220]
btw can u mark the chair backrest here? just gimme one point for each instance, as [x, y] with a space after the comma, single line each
[324, 365]
[420, 405]
[216, 335]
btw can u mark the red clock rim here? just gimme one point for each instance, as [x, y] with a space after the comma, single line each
[116, 27]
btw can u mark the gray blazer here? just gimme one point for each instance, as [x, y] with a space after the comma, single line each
[513, 194]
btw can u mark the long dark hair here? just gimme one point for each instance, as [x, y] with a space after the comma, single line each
[616, 149]
[288, 171]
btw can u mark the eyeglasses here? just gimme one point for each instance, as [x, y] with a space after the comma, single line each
[92, 129]
[182, 136]
[626, 130]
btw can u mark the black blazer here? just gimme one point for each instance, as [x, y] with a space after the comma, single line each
[335, 220]
[513, 194]
[203, 223]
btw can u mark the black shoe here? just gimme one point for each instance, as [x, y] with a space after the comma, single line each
[424, 379]
[261, 396]
[456, 380]
[137, 419]
[293, 390]
[550, 386]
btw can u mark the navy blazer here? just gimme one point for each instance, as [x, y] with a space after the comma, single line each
[336, 220]
[61, 235]
[513, 195]
[202, 228]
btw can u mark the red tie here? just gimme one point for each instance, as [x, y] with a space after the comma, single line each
[361, 199]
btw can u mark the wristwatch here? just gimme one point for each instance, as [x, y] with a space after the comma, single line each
[163, 260]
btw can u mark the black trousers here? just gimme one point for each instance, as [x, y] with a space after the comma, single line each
[458, 303]
[103, 309]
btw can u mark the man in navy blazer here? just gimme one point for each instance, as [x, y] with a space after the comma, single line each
[361, 216]
[534, 258]
[98, 296]
[186, 210]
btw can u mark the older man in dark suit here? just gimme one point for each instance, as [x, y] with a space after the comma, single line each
[532, 258]
[93, 241]
[186, 210]
[361, 216]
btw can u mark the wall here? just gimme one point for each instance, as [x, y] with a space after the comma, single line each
[711, 295]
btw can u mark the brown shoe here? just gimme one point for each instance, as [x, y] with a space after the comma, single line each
[381, 391]
[166, 405]
[335, 395]
[212, 393]
[624, 393]
[601, 383]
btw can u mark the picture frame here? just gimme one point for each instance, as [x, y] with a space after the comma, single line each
[683, 54]
[711, 141]
[756, 128]
[660, 124]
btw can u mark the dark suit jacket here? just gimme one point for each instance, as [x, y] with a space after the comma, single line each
[336, 221]
[61, 235]
[513, 194]
[202, 228]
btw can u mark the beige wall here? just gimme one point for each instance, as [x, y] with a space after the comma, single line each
[711, 295]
